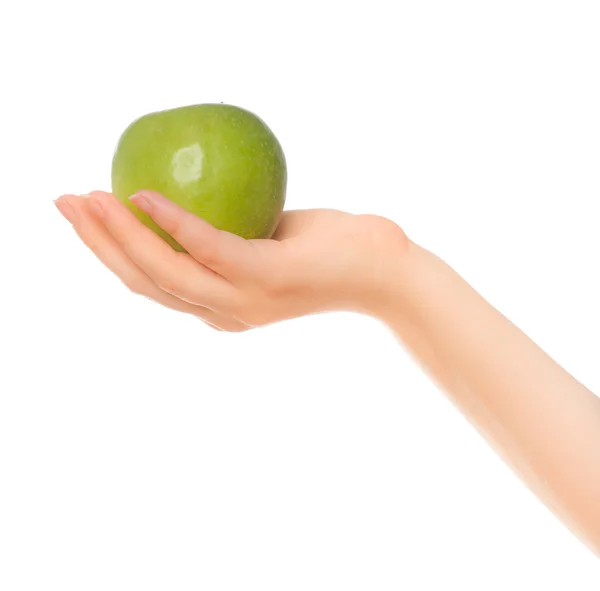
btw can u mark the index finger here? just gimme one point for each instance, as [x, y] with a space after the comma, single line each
[225, 253]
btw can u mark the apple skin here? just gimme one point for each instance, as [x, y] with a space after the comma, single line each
[217, 161]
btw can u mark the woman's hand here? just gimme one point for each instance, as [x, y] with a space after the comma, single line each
[543, 422]
[317, 261]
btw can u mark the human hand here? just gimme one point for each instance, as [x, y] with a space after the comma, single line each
[317, 261]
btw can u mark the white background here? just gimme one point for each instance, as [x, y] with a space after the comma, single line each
[141, 450]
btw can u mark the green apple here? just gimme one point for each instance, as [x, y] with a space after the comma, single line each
[217, 161]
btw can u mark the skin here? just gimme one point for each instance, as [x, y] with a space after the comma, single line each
[541, 420]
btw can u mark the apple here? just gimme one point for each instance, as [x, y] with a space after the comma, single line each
[218, 161]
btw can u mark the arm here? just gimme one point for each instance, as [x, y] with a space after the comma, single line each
[544, 423]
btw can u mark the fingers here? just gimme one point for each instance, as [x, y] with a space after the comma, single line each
[174, 272]
[223, 252]
[107, 250]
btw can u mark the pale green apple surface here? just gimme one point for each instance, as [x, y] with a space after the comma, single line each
[217, 161]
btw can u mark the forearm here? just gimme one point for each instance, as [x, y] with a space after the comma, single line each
[543, 422]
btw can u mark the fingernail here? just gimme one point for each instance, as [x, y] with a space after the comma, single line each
[143, 201]
[67, 210]
[97, 208]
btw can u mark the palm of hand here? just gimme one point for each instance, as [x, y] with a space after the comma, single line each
[327, 259]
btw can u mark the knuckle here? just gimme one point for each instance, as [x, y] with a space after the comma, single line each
[277, 277]
[121, 236]
[95, 247]
[167, 287]
[136, 286]
[240, 328]
[208, 253]
[224, 325]
[228, 303]
[173, 226]
[274, 285]
[209, 250]
[253, 316]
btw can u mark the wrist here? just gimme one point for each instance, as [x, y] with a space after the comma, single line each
[386, 277]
